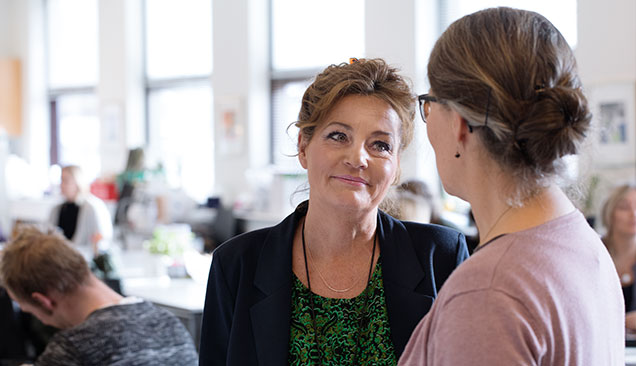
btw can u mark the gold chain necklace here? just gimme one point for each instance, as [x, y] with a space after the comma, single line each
[482, 241]
[340, 291]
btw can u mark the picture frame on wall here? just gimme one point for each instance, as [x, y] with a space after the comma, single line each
[613, 106]
[230, 126]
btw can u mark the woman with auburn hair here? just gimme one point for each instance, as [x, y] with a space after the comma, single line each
[338, 282]
[505, 106]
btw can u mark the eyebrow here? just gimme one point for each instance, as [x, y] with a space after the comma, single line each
[348, 128]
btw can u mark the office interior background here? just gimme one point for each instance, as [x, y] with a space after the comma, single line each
[208, 88]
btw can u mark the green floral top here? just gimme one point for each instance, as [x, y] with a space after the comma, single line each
[338, 323]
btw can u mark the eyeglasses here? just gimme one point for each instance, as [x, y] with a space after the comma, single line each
[425, 101]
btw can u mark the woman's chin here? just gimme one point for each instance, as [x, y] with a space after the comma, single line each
[353, 202]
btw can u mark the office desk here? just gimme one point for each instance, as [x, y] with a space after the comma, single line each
[183, 297]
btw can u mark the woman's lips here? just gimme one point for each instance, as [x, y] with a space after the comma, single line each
[351, 180]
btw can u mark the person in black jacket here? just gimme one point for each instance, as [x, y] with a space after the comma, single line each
[337, 282]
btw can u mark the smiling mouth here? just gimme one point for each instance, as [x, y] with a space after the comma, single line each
[350, 179]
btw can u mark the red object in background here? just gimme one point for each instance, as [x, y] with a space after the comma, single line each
[105, 190]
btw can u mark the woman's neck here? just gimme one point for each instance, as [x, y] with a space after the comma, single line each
[621, 245]
[333, 232]
[494, 216]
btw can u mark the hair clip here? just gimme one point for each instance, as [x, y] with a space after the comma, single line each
[353, 60]
[487, 107]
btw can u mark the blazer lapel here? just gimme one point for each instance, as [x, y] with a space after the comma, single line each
[406, 302]
[271, 312]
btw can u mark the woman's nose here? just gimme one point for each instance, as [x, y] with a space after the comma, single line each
[357, 157]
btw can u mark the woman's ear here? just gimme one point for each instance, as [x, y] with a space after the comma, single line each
[461, 129]
[302, 149]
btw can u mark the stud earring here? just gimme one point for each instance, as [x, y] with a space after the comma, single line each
[457, 155]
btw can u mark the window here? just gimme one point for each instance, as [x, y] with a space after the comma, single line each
[306, 37]
[72, 59]
[78, 131]
[72, 43]
[183, 130]
[561, 13]
[178, 48]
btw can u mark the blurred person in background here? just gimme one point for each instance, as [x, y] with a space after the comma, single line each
[505, 105]
[414, 202]
[50, 279]
[619, 219]
[82, 217]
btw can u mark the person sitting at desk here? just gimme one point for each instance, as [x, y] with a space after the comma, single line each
[338, 282]
[83, 218]
[619, 219]
[50, 279]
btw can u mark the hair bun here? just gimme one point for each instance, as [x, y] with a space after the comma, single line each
[572, 105]
[555, 124]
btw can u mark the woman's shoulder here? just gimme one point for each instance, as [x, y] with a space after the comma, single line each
[252, 243]
[243, 244]
[433, 230]
[93, 203]
[420, 230]
[426, 238]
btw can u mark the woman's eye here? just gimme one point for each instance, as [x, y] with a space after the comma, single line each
[382, 146]
[337, 136]
[623, 205]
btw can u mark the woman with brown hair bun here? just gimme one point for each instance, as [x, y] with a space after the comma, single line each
[505, 106]
[338, 282]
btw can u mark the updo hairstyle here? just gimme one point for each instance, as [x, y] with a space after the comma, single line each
[367, 77]
[512, 76]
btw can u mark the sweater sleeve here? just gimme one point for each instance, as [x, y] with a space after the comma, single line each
[59, 352]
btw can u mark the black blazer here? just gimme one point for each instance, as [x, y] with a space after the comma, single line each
[246, 320]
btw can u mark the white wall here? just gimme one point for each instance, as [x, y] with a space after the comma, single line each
[606, 57]
[8, 46]
[606, 50]
[241, 79]
[22, 36]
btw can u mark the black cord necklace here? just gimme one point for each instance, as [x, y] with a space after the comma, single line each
[363, 317]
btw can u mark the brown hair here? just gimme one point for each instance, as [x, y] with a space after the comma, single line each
[368, 77]
[511, 72]
[607, 212]
[41, 261]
